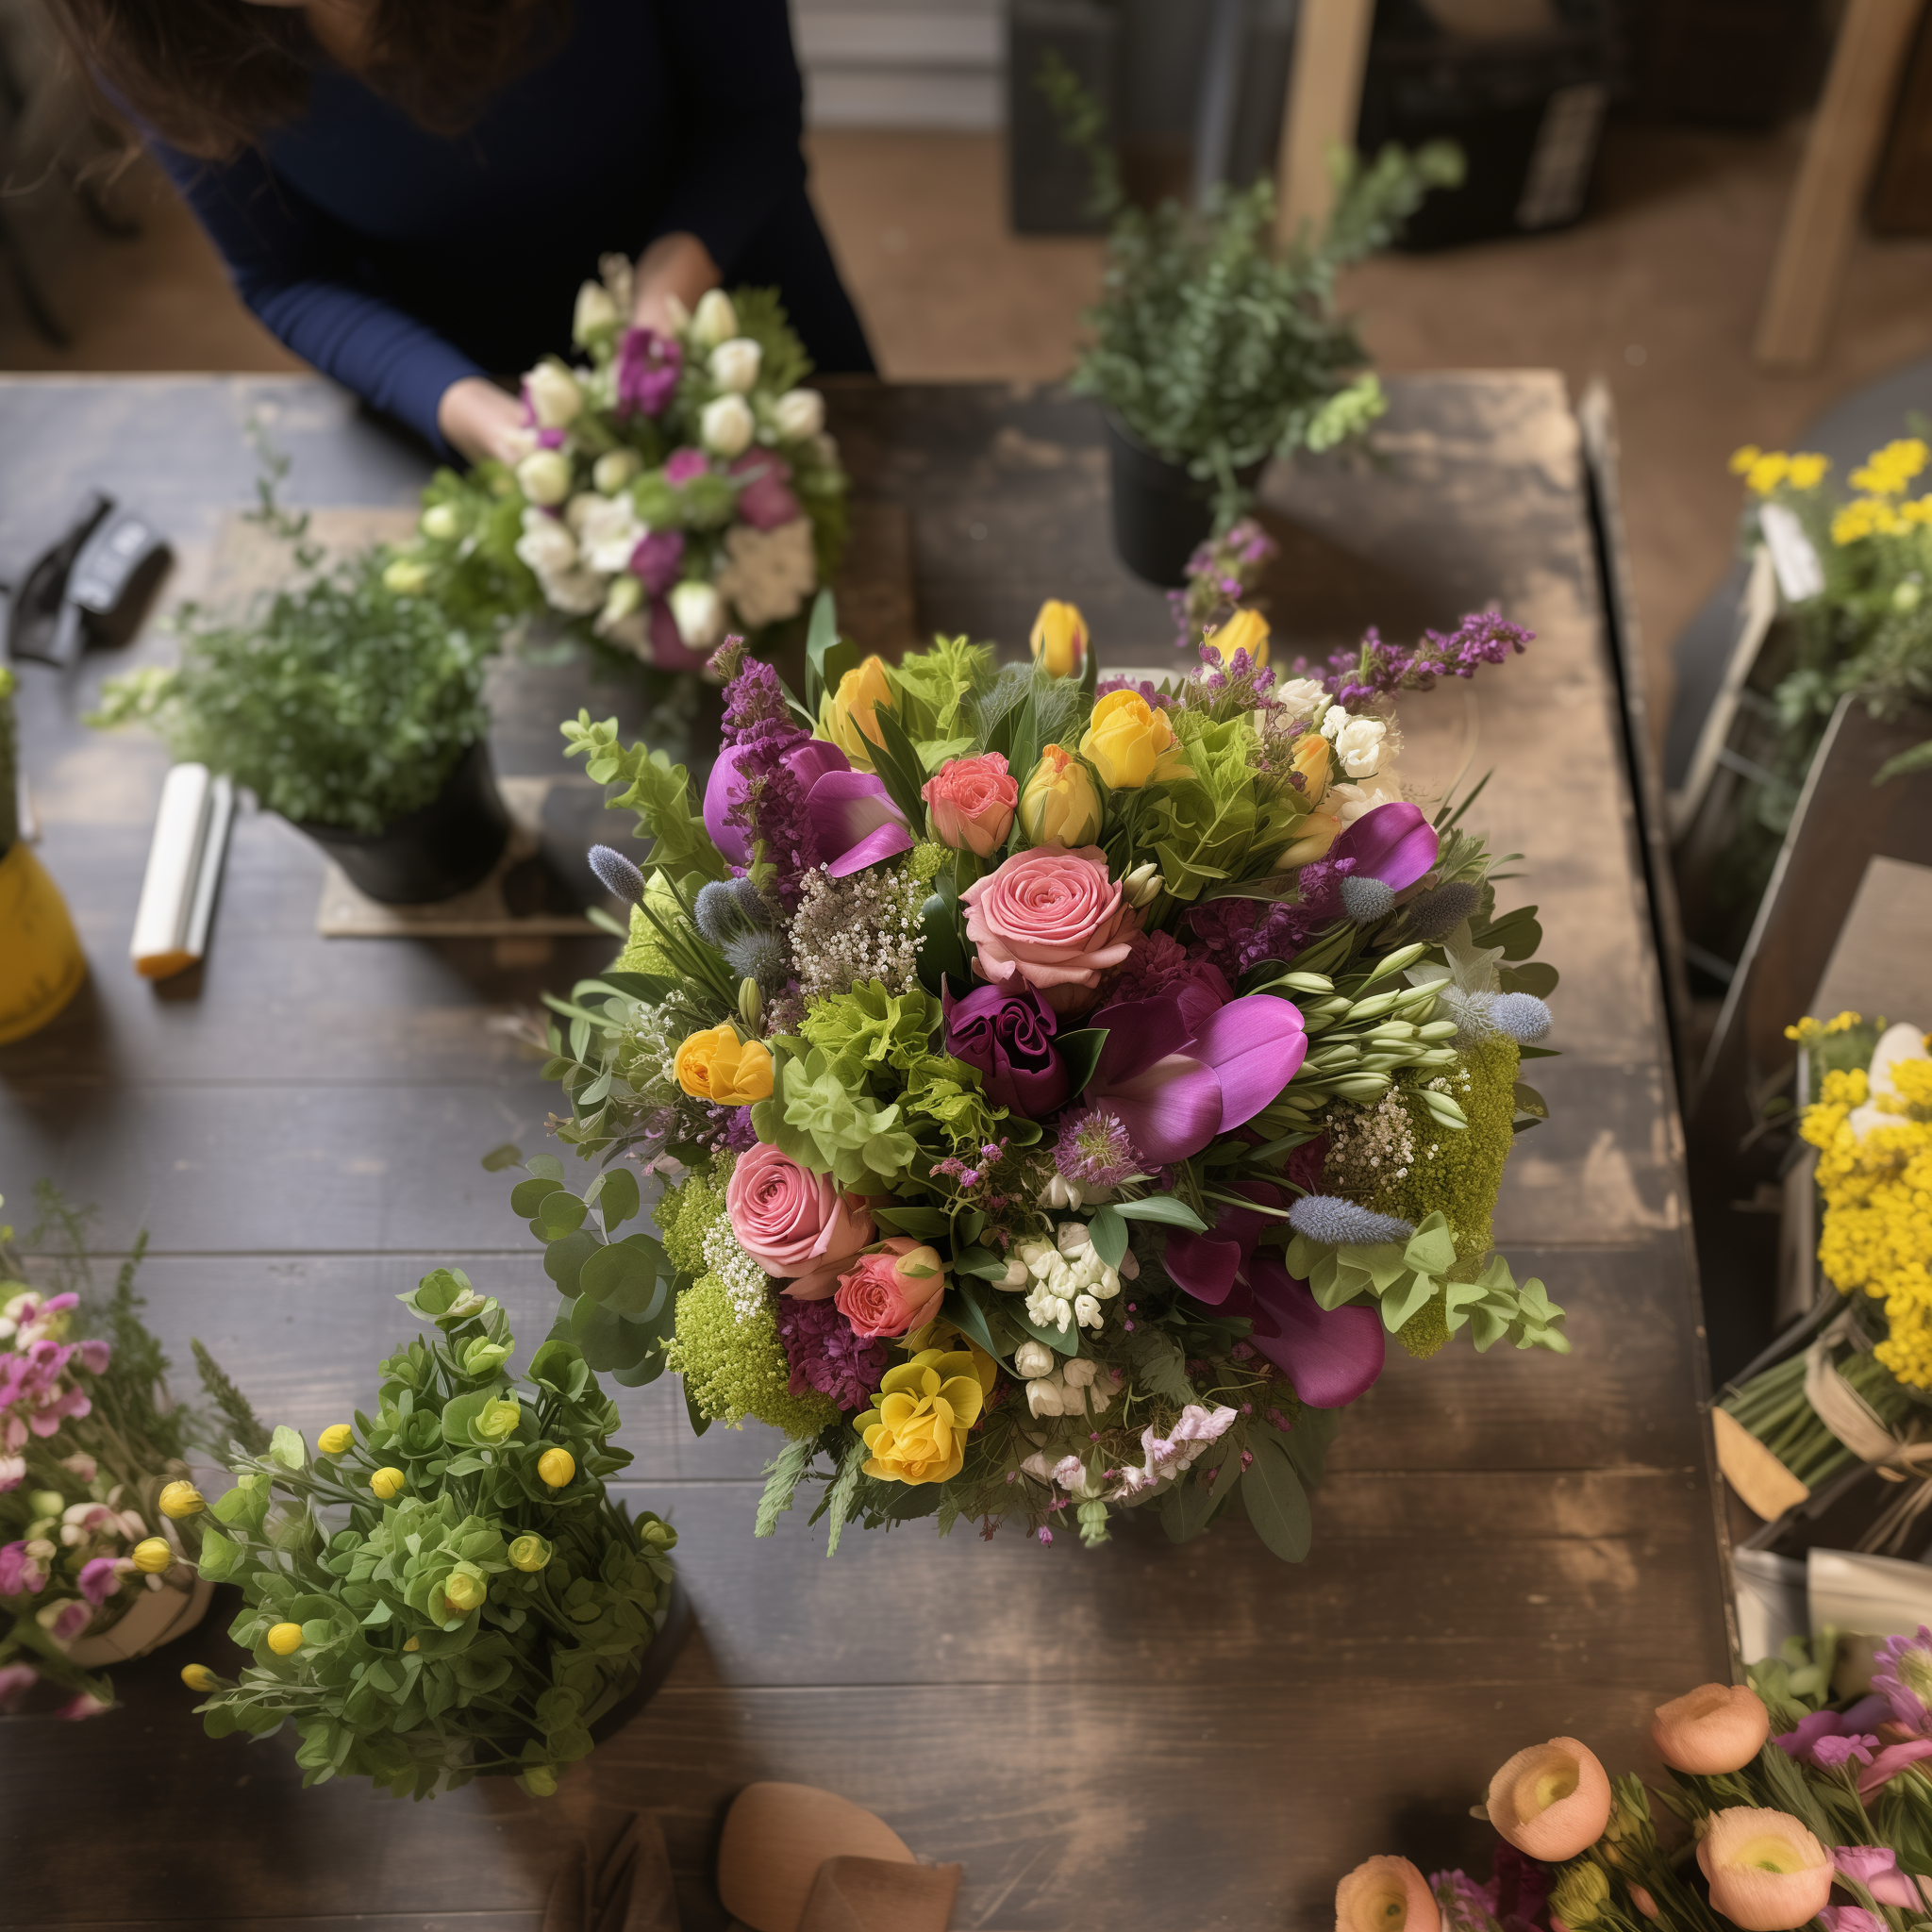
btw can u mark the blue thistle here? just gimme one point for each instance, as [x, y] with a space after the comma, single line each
[617, 874]
[1366, 900]
[1524, 1017]
[1339, 1224]
[728, 909]
[1435, 915]
[758, 956]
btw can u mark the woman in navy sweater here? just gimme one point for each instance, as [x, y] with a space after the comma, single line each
[409, 192]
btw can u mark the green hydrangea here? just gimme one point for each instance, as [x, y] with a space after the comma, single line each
[1457, 1171]
[643, 951]
[948, 1092]
[735, 1367]
[873, 1026]
[690, 1211]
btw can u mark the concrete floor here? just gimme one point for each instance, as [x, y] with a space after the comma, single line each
[1658, 291]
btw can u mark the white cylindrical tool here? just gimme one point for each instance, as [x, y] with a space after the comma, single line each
[184, 866]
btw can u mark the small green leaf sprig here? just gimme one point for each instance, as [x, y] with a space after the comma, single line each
[446, 1588]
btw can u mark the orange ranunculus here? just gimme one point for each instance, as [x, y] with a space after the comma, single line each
[718, 1066]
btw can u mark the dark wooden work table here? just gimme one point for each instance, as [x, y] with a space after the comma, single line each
[1508, 1546]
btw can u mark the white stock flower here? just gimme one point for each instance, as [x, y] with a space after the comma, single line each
[553, 394]
[546, 545]
[1301, 697]
[1358, 745]
[726, 426]
[595, 316]
[608, 531]
[1347, 803]
[769, 574]
[734, 365]
[698, 612]
[799, 414]
[715, 320]
[543, 476]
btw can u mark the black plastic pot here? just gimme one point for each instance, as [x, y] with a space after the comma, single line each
[432, 854]
[1161, 513]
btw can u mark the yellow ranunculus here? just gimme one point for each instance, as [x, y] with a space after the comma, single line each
[1246, 631]
[335, 1439]
[1130, 742]
[916, 1429]
[198, 1677]
[464, 1592]
[388, 1482]
[718, 1066]
[846, 716]
[1059, 804]
[1312, 760]
[285, 1640]
[152, 1556]
[556, 1467]
[1059, 638]
[181, 1499]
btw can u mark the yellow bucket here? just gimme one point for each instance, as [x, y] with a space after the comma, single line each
[41, 966]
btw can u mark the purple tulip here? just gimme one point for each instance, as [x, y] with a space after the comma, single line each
[647, 366]
[766, 501]
[1394, 843]
[1006, 1034]
[1178, 1075]
[1331, 1355]
[852, 815]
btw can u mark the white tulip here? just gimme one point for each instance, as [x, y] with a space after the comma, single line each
[1046, 1396]
[797, 414]
[597, 314]
[1301, 697]
[1033, 1358]
[614, 469]
[735, 364]
[553, 394]
[441, 522]
[726, 426]
[1079, 1371]
[698, 612]
[1017, 1276]
[715, 322]
[543, 476]
[624, 596]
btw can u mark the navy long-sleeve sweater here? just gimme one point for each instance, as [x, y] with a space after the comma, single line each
[397, 260]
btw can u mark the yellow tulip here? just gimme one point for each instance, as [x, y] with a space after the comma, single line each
[1060, 803]
[463, 1592]
[1319, 832]
[198, 1677]
[1312, 760]
[1059, 638]
[152, 1556]
[335, 1439]
[1246, 631]
[847, 717]
[718, 1066]
[556, 1467]
[182, 1499]
[916, 1430]
[285, 1640]
[387, 1483]
[1130, 742]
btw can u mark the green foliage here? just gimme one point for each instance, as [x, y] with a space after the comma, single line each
[340, 701]
[871, 1027]
[1202, 828]
[478, 1621]
[660, 793]
[734, 1365]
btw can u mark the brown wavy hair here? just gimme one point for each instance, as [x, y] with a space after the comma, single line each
[212, 76]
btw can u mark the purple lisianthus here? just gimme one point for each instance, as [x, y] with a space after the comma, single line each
[1006, 1036]
[1875, 1866]
[766, 500]
[99, 1579]
[682, 465]
[825, 1354]
[1902, 1672]
[647, 366]
[69, 1620]
[654, 561]
[18, 1572]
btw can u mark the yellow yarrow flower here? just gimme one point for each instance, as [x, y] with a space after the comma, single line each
[1808, 471]
[916, 1429]
[1742, 458]
[1767, 473]
[1889, 470]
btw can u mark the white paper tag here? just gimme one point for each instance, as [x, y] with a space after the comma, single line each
[1800, 577]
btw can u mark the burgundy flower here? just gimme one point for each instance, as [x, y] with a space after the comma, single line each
[654, 561]
[1006, 1033]
[647, 366]
[766, 501]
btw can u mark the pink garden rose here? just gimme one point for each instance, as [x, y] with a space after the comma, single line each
[794, 1223]
[879, 1298]
[972, 803]
[1053, 917]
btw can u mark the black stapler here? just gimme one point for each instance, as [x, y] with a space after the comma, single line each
[91, 588]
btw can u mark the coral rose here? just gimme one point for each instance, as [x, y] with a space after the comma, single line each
[795, 1224]
[1053, 918]
[897, 1288]
[1767, 1872]
[1711, 1730]
[1386, 1895]
[915, 1430]
[1551, 1801]
[971, 803]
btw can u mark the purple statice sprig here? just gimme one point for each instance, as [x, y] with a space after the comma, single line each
[1226, 689]
[1220, 573]
[1378, 669]
[1157, 700]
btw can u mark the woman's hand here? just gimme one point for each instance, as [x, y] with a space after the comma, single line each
[677, 266]
[482, 422]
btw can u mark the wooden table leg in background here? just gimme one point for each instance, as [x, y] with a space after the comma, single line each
[1324, 102]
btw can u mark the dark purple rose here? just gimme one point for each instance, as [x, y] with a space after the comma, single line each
[647, 366]
[681, 465]
[766, 501]
[654, 561]
[1007, 1036]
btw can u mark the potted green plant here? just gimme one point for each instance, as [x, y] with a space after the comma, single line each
[444, 1590]
[349, 702]
[1213, 346]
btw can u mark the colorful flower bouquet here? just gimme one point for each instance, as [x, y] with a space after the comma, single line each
[1786, 1807]
[96, 1558]
[445, 1590]
[677, 487]
[1064, 1088]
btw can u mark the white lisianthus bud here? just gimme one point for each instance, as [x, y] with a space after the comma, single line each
[553, 394]
[735, 364]
[543, 476]
[1033, 1358]
[614, 469]
[595, 317]
[799, 414]
[726, 426]
[408, 577]
[1143, 886]
[715, 322]
[625, 595]
[698, 612]
[441, 522]
[1046, 1396]
[751, 999]
[1072, 1238]
[1016, 1277]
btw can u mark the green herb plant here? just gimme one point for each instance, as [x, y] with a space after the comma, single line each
[444, 1590]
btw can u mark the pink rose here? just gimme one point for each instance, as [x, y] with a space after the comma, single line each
[894, 1290]
[794, 1223]
[972, 803]
[1056, 919]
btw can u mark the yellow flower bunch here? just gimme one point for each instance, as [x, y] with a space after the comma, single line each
[1808, 1029]
[1889, 470]
[1763, 470]
[1877, 1193]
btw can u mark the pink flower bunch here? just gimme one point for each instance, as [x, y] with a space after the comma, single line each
[37, 1390]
